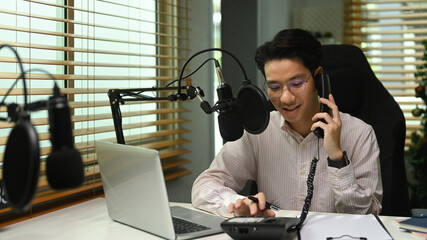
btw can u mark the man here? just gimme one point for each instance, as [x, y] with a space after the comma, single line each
[348, 176]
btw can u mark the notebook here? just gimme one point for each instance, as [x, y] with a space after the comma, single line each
[415, 223]
[136, 195]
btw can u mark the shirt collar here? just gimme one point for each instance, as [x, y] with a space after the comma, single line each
[287, 128]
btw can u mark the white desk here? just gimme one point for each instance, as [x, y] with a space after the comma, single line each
[89, 220]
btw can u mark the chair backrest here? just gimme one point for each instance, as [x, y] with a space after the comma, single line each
[357, 91]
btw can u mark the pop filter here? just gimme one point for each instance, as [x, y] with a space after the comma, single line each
[253, 108]
[21, 164]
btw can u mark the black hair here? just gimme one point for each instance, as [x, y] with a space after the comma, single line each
[290, 43]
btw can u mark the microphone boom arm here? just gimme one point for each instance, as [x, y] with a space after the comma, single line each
[120, 96]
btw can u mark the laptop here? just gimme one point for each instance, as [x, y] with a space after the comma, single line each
[136, 195]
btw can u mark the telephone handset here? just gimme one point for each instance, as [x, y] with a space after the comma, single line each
[323, 87]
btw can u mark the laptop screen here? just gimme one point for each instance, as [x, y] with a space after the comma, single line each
[134, 187]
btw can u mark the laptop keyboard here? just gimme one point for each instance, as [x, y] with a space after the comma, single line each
[182, 226]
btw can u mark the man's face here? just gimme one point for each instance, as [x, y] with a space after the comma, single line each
[297, 103]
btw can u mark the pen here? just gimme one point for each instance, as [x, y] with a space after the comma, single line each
[267, 204]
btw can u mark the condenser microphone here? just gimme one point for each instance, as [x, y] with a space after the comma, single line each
[248, 111]
[64, 164]
[230, 122]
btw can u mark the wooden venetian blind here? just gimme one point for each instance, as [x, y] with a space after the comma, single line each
[390, 33]
[91, 46]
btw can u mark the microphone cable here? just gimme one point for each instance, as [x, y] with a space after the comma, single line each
[31, 106]
[209, 50]
[56, 88]
[193, 72]
[19, 77]
[136, 93]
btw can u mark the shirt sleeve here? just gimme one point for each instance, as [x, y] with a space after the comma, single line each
[217, 187]
[358, 187]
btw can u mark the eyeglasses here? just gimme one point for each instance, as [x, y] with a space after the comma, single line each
[296, 86]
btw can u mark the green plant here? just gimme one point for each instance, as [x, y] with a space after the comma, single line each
[418, 149]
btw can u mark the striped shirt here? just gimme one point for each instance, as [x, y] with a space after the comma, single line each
[279, 161]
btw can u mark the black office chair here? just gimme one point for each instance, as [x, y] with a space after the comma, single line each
[358, 92]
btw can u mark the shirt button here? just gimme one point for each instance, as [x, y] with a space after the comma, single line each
[303, 146]
[340, 177]
[347, 202]
[303, 173]
[302, 199]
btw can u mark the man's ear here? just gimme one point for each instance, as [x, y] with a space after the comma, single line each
[319, 70]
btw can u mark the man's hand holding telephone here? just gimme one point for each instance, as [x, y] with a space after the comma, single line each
[328, 122]
[332, 128]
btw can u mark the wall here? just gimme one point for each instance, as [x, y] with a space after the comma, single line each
[202, 132]
[239, 36]
[273, 16]
[327, 17]
[245, 25]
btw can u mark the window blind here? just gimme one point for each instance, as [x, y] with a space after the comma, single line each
[390, 33]
[91, 46]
